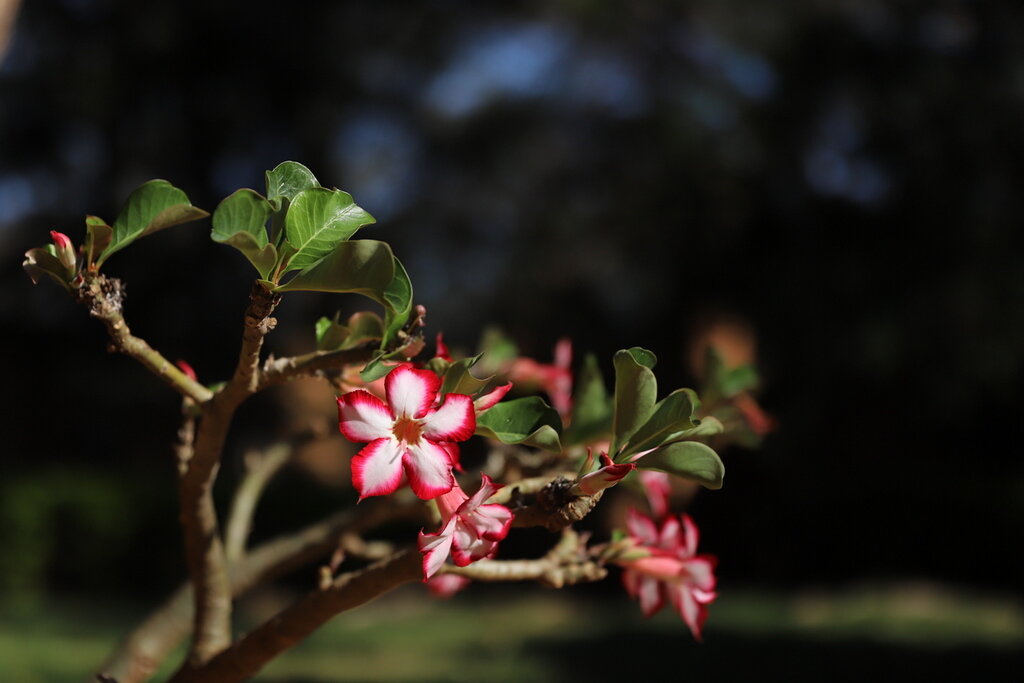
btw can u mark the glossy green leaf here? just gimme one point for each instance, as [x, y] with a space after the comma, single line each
[636, 391]
[592, 406]
[672, 416]
[363, 266]
[398, 302]
[97, 236]
[317, 220]
[459, 380]
[153, 206]
[240, 220]
[288, 179]
[688, 459]
[528, 421]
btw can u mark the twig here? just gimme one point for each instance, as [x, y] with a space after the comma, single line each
[260, 469]
[280, 370]
[564, 565]
[104, 297]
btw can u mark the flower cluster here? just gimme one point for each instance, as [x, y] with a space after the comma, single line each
[415, 433]
[664, 566]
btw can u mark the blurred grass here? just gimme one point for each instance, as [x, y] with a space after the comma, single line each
[535, 635]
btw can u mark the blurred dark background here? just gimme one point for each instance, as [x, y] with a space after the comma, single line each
[844, 176]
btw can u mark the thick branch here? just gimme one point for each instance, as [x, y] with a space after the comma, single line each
[152, 641]
[249, 654]
[104, 297]
[204, 550]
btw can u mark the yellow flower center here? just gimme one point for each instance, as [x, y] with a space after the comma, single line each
[408, 430]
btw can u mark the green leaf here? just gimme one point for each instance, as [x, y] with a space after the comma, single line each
[153, 206]
[459, 380]
[42, 261]
[674, 415]
[97, 236]
[592, 407]
[288, 179]
[317, 220]
[709, 426]
[636, 390]
[688, 459]
[365, 267]
[528, 421]
[240, 221]
[375, 368]
[398, 303]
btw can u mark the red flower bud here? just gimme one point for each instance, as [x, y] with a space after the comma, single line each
[65, 251]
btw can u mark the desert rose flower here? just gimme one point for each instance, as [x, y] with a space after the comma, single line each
[407, 433]
[470, 529]
[671, 571]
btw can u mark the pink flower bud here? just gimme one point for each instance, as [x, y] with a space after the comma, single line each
[609, 475]
[65, 250]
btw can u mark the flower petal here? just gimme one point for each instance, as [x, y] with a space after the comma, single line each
[651, 594]
[702, 572]
[491, 522]
[690, 535]
[491, 398]
[377, 469]
[692, 612]
[411, 392]
[486, 490]
[641, 528]
[454, 420]
[435, 548]
[363, 417]
[429, 469]
[446, 585]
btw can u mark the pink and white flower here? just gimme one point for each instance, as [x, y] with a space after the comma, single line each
[470, 529]
[608, 475]
[408, 433]
[670, 570]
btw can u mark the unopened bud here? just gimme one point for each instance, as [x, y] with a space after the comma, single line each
[609, 475]
[65, 250]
